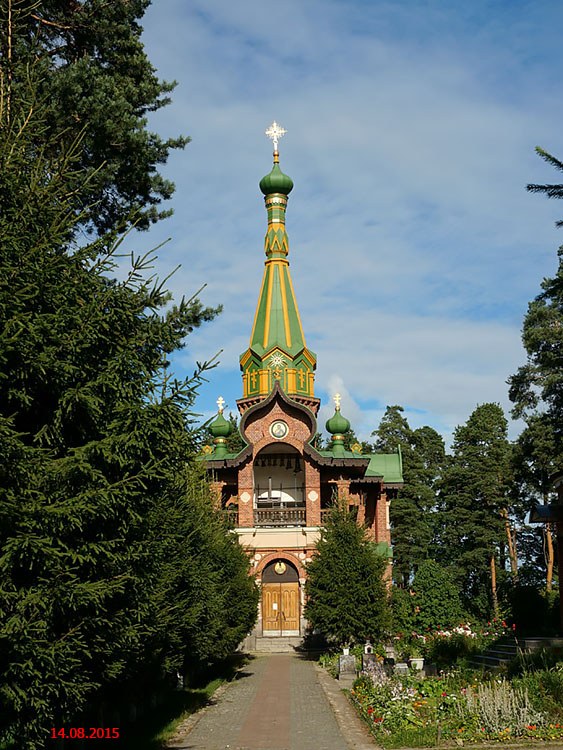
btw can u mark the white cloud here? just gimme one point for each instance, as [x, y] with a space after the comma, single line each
[414, 246]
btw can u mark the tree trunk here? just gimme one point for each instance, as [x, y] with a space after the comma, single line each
[512, 551]
[549, 556]
[494, 585]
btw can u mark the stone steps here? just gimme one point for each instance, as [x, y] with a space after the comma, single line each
[497, 655]
[505, 652]
[284, 644]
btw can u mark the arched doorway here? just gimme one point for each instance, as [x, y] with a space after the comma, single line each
[280, 599]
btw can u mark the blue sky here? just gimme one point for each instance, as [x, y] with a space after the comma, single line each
[414, 247]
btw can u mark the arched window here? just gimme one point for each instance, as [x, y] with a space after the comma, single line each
[279, 477]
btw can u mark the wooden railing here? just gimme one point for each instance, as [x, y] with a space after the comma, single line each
[274, 516]
[279, 517]
[232, 515]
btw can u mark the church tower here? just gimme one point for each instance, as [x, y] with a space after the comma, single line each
[278, 488]
[277, 350]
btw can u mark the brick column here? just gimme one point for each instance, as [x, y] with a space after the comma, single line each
[382, 532]
[312, 495]
[245, 494]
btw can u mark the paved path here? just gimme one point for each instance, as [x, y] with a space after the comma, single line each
[276, 703]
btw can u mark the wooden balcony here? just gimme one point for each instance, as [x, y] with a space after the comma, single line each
[280, 517]
[274, 517]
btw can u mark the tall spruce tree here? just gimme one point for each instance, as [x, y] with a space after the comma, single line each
[475, 492]
[346, 594]
[101, 530]
[96, 80]
[412, 512]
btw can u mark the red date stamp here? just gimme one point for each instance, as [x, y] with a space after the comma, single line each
[85, 733]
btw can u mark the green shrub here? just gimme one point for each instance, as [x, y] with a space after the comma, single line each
[402, 608]
[447, 651]
[436, 598]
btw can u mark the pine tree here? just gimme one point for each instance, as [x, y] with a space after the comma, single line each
[346, 594]
[350, 439]
[412, 512]
[475, 492]
[552, 191]
[536, 390]
[533, 465]
[537, 387]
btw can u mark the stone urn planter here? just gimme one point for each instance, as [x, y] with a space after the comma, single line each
[416, 662]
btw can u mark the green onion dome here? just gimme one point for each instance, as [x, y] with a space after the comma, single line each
[276, 182]
[337, 424]
[220, 428]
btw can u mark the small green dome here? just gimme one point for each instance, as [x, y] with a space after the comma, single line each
[337, 424]
[276, 182]
[220, 427]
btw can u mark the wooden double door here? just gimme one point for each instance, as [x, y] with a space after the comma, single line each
[280, 608]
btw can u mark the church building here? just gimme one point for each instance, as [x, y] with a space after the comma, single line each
[279, 487]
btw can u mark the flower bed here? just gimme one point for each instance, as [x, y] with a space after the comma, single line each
[460, 707]
[447, 645]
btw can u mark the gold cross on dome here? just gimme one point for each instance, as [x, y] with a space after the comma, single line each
[275, 132]
[337, 400]
[220, 403]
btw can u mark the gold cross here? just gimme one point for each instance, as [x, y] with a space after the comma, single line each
[253, 378]
[301, 378]
[274, 132]
[220, 403]
[337, 400]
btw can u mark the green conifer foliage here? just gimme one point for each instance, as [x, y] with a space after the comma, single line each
[552, 191]
[537, 388]
[114, 570]
[346, 595]
[536, 391]
[412, 512]
[474, 493]
[96, 80]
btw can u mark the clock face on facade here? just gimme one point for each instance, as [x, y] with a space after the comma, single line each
[279, 429]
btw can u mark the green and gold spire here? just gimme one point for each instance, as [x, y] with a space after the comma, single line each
[277, 350]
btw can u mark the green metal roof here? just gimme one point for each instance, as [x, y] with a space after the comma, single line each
[277, 320]
[386, 465]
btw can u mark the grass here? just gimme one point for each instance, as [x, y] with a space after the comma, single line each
[411, 737]
[155, 727]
